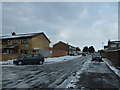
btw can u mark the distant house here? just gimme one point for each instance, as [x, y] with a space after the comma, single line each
[63, 49]
[16, 45]
[105, 47]
[113, 45]
[73, 50]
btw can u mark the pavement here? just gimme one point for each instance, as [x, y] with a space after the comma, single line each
[90, 74]
[98, 81]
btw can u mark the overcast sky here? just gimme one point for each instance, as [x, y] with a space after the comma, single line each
[76, 23]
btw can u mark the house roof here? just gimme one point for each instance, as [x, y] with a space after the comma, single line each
[115, 42]
[61, 42]
[65, 44]
[105, 46]
[112, 50]
[23, 36]
[11, 46]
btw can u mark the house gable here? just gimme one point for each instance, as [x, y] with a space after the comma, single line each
[40, 41]
[61, 46]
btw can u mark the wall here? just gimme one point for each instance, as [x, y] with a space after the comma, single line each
[9, 56]
[25, 46]
[20, 46]
[58, 53]
[40, 41]
[61, 46]
[114, 56]
[45, 53]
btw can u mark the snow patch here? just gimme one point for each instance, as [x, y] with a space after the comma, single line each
[88, 66]
[69, 82]
[95, 67]
[75, 78]
[59, 59]
[112, 67]
[8, 62]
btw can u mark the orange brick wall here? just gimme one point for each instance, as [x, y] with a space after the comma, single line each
[58, 53]
[61, 46]
[114, 56]
[8, 56]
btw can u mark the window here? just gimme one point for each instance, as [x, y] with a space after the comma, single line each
[36, 55]
[113, 45]
[7, 51]
[4, 51]
[24, 51]
[29, 56]
[119, 45]
[24, 41]
[14, 41]
[4, 41]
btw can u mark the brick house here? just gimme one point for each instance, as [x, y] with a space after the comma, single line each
[63, 49]
[15, 45]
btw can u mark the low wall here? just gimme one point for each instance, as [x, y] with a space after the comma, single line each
[8, 57]
[45, 53]
[114, 56]
[58, 53]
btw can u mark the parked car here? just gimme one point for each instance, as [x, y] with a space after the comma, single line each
[96, 56]
[83, 54]
[29, 59]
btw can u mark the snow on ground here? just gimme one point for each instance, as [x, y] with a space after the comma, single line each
[59, 59]
[47, 60]
[46, 75]
[8, 62]
[91, 67]
[70, 82]
[112, 67]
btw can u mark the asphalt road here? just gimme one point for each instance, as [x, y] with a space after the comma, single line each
[52, 75]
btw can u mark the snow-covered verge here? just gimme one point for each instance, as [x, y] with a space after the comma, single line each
[59, 59]
[8, 62]
[112, 67]
[47, 60]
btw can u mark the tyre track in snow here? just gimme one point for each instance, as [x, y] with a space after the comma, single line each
[40, 76]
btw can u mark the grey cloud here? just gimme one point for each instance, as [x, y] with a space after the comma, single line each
[77, 23]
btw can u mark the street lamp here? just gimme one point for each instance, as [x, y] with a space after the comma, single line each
[103, 45]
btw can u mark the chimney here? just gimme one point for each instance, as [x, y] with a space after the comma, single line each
[13, 33]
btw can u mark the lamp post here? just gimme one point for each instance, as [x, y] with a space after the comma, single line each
[103, 45]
